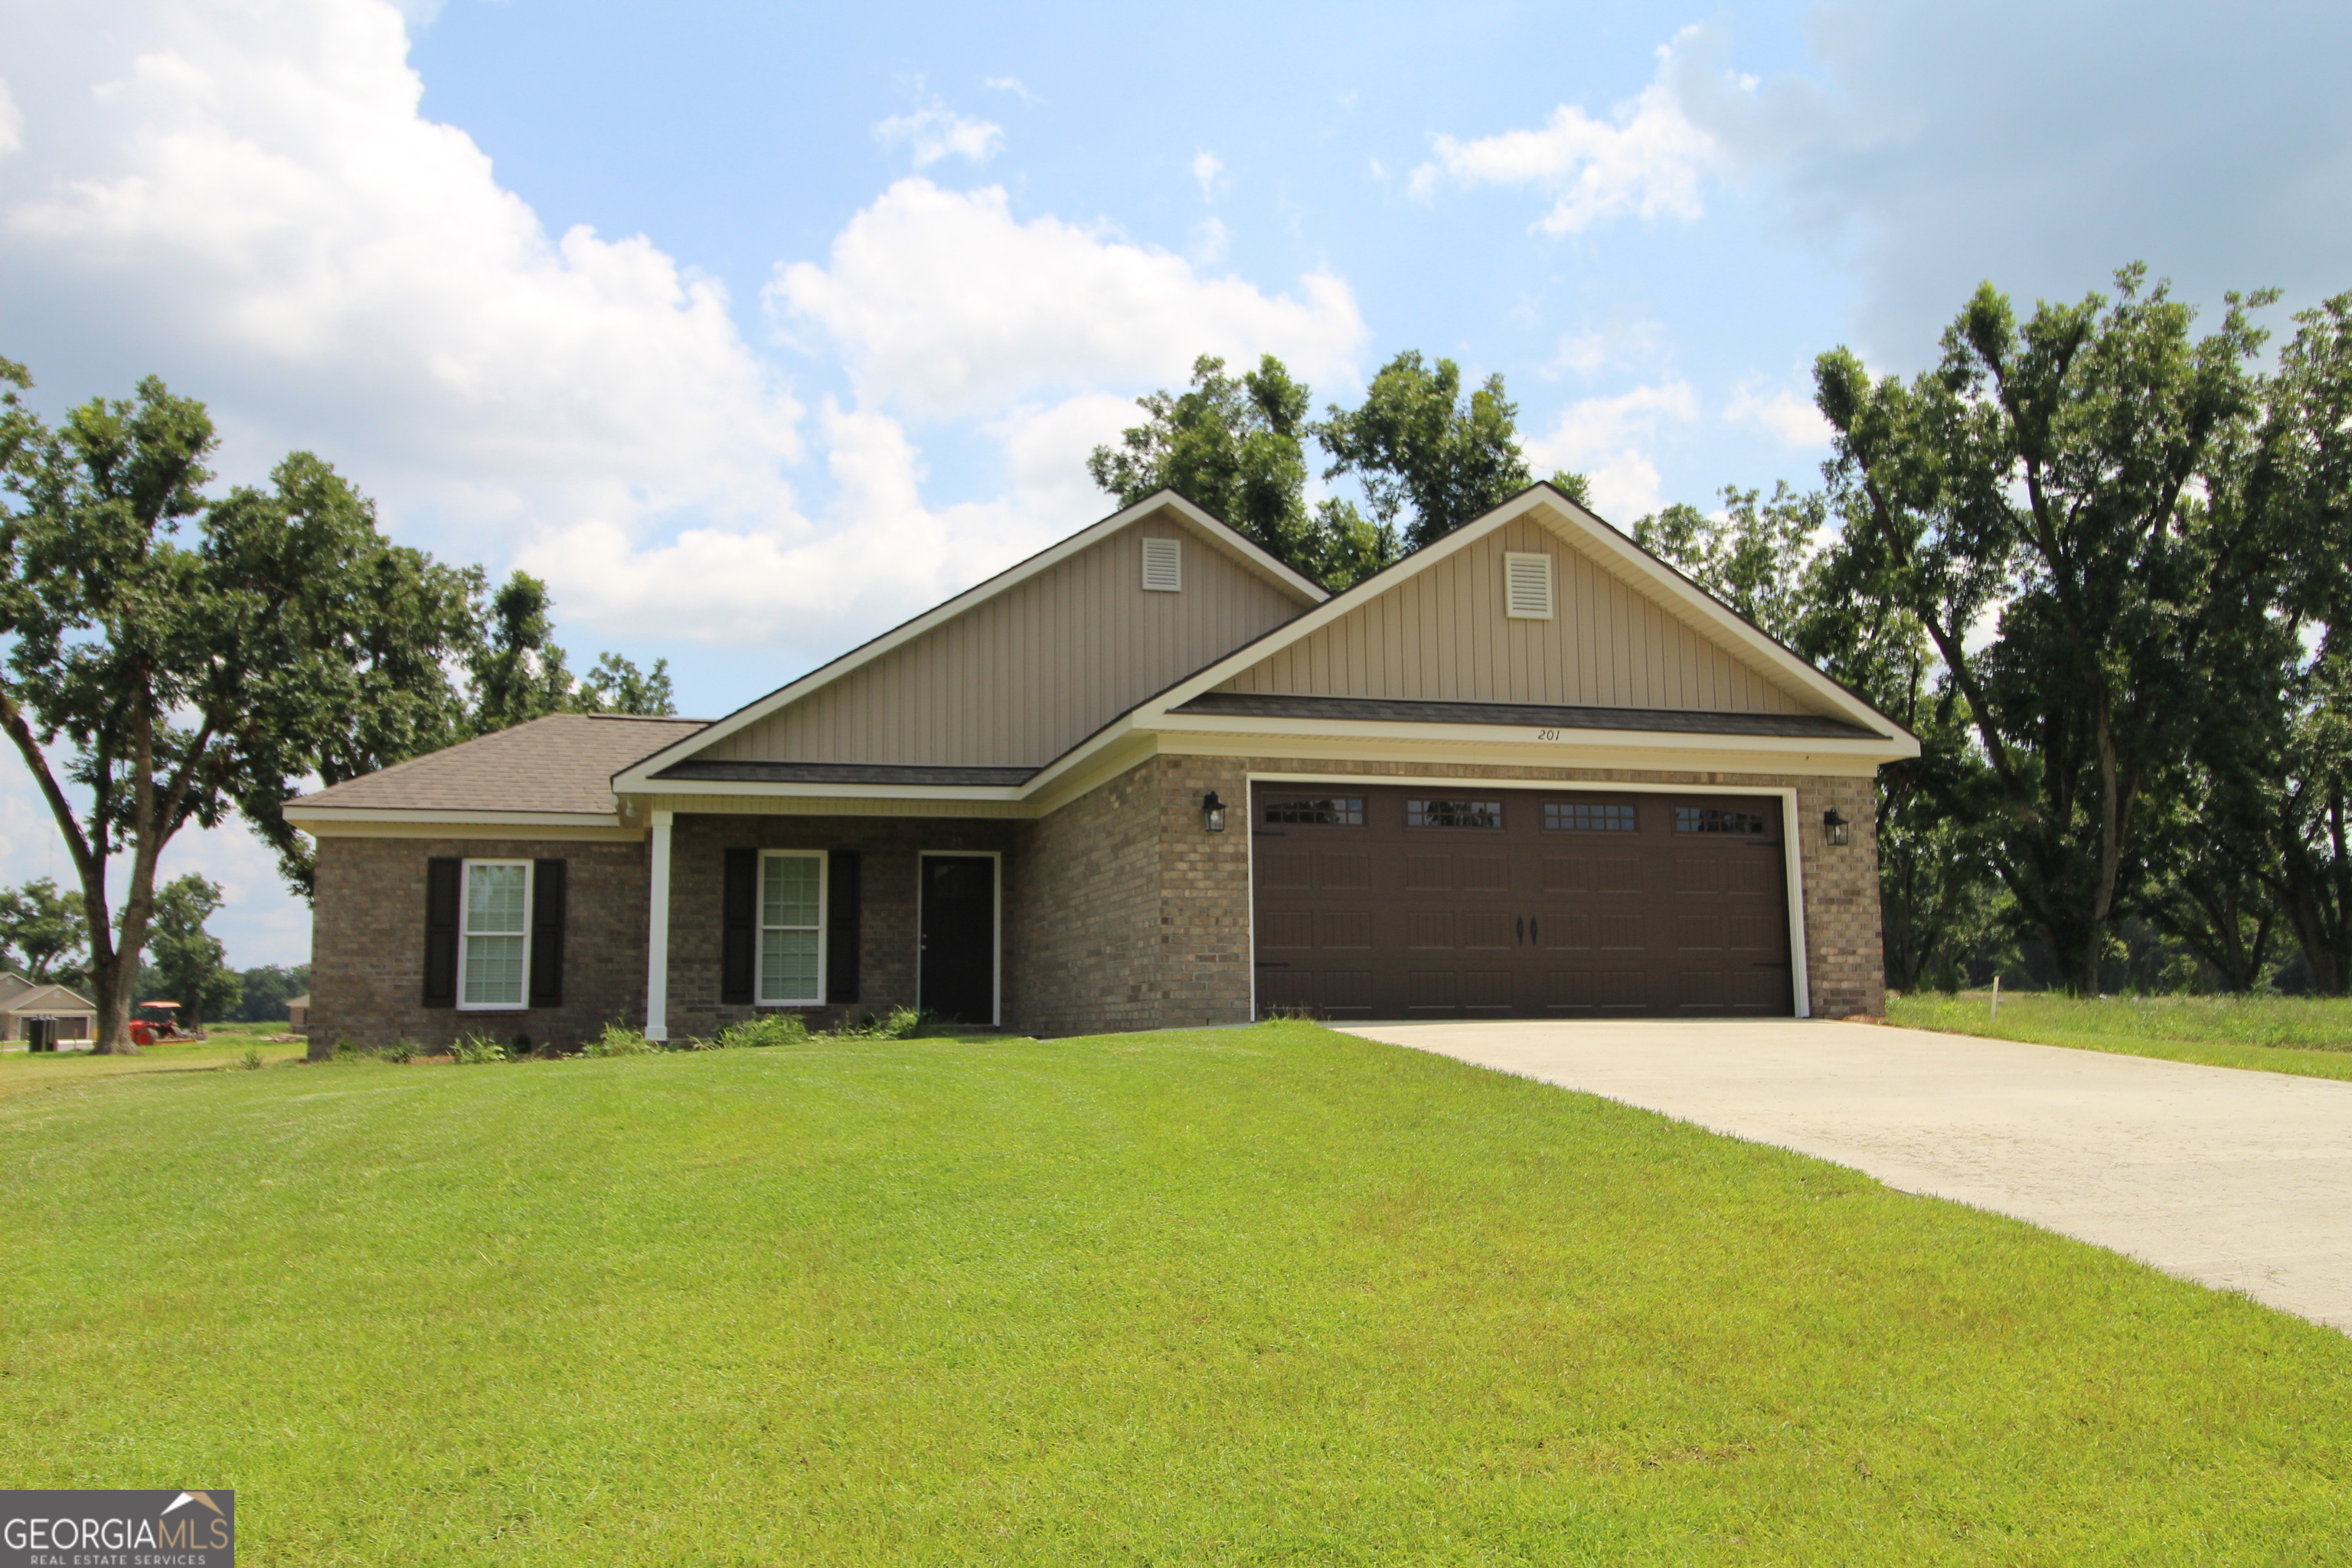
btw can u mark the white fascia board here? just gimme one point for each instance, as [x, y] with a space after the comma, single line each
[329, 816]
[638, 775]
[1111, 735]
[1890, 749]
[1608, 543]
[803, 790]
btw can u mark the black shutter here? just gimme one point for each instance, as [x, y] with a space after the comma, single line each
[547, 879]
[739, 931]
[444, 880]
[842, 929]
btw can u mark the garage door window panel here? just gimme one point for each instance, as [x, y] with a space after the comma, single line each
[1479, 813]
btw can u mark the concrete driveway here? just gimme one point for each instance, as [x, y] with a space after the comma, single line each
[2238, 1179]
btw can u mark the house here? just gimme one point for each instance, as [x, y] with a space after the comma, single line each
[297, 1013]
[76, 1015]
[1152, 777]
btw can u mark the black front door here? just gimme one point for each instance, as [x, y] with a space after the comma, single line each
[958, 976]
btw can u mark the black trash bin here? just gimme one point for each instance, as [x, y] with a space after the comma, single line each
[40, 1034]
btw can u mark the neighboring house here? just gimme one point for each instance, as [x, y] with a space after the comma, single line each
[297, 1013]
[12, 985]
[1153, 777]
[76, 1015]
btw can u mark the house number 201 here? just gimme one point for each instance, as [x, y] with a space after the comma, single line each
[1546, 734]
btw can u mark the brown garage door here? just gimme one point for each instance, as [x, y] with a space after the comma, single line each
[1472, 902]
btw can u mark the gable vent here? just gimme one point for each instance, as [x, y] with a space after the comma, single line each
[1526, 587]
[1163, 565]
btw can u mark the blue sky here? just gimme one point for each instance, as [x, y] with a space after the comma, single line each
[755, 329]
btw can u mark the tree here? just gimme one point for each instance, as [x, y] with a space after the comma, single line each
[1783, 565]
[182, 678]
[184, 959]
[262, 993]
[43, 929]
[2043, 480]
[1236, 447]
[1415, 444]
[518, 674]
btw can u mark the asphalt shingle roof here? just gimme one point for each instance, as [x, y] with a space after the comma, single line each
[564, 762]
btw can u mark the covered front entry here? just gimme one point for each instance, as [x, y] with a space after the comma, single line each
[1473, 901]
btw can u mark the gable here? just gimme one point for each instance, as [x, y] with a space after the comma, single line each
[1023, 674]
[1442, 634]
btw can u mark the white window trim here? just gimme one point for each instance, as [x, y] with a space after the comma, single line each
[465, 935]
[760, 927]
[1511, 558]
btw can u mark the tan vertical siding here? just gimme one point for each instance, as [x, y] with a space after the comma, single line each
[1018, 678]
[1441, 635]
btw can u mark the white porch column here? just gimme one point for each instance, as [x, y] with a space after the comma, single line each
[657, 935]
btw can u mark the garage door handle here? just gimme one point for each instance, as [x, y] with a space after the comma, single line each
[1535, 927]
[1523, 928]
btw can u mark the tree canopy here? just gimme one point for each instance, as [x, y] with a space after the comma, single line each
[174, 657]
[184, 960]
[1426, 460]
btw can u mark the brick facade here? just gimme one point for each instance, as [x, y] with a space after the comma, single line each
[1120, 911]
[1084, 910]
[889, 846]
[367, 946]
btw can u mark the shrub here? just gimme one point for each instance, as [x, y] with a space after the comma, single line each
[766, 1029]
[251, 1060]
[898, 1024]
[347, 1049]
[474, 1047]
[398, 1051]
[619, 1040]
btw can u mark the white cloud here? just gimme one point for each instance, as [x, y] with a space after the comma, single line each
[785, 582]
[1603, 438]
[1792, 420]
[1014, 85]
[944, 305]
[1647, 159]
[1206, 168]
[253, 206]
[1210, 238]
[1926, 151]
[932, 131]
[1614, 345]
[1045, 452]
[12, 124]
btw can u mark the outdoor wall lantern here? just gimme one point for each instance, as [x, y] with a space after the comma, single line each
[1834, 825]
[1213, 813]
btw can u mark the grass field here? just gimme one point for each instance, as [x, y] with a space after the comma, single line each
[23, 1072]
[1254, 1295]
[2308, 1035]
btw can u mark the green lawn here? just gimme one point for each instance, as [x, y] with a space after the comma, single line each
[1253, 1296]
[24, 1071]
[2304, 1035]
